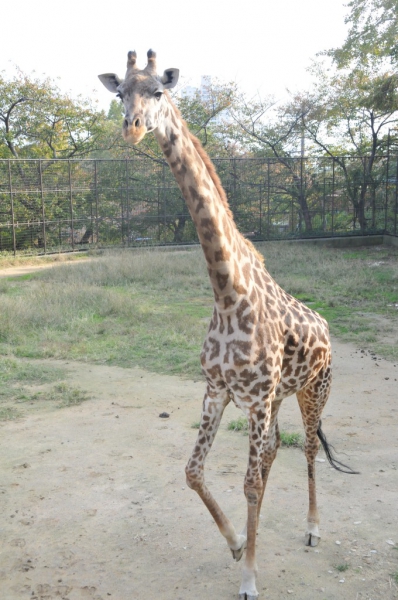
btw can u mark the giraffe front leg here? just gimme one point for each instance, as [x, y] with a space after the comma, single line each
[259, 432]
[248, 590]
[212, 412]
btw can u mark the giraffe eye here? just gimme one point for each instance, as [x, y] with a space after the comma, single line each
[158, 95]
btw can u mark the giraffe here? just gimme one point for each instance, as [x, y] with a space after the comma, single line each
[262, 344]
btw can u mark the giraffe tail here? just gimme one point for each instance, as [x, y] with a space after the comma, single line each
[328, 448]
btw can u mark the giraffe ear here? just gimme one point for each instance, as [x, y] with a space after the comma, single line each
[110, 81]
[170, 78]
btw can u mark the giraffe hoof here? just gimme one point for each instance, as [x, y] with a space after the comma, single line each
[247, 597]
[312, 535]
[237, 554]
[312, 540]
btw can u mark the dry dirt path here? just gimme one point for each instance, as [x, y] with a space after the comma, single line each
[94, 505]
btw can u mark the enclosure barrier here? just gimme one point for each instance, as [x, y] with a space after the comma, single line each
[63, 205]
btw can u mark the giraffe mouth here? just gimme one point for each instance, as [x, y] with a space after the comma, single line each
[133, 135]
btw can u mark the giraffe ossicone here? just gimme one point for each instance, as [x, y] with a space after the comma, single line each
[262, 344]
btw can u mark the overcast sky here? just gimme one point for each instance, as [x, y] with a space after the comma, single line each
[262, 45]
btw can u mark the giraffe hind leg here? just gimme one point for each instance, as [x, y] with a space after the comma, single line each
[311, 400]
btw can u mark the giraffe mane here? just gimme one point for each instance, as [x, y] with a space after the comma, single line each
[215, 178]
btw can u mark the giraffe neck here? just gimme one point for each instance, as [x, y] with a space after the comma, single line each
[226, 251]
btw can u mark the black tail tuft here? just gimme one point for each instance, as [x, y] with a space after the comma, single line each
[330, 455]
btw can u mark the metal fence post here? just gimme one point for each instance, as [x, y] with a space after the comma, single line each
[164, 198]
[71, 206]
[333, 188]
[42, 208]
[96, 202]
[14, 241]
[396, 199]
[127, 202]
[268, 199]
[387, 187]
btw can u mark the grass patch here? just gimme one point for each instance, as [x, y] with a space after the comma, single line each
[63, 395]
[8, 413]
[288, 439]
[239, 424]
[341, 568]
[19, 383]
[395, 576]
[15, 371]
[8, 260]
[16, 379]
[292, 439]
[151, 308]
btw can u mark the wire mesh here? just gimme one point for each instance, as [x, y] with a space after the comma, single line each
[63, 205]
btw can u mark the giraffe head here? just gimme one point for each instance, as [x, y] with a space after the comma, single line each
[142, 95]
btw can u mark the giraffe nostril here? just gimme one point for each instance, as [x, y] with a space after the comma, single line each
[137, 123]
[126, 123]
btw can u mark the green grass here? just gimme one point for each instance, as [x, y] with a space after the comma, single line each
[126, 309]
[15, 371]
[9, 413]
[239, 424]
[25, 386]
[63, 395]
[288, 439]
[395, 576]
[343, 567]
[151, 308]
[292, 439]
[16, 380]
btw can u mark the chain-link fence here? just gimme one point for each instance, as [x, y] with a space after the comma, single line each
[63, 205]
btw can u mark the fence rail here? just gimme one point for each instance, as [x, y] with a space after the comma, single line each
[63, 205]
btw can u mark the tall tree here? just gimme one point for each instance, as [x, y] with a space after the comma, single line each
[351, 117]
[373, 34]
[272, 130]
[37, 120]
[354, 108]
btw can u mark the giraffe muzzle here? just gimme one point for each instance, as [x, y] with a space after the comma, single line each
[134, 130]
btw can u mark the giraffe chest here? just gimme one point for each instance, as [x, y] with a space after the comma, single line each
[254, 357]
[246, 361]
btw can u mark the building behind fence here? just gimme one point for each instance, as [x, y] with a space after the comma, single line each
[61, 205]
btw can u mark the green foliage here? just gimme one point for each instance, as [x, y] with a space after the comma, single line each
[207, 114]
[349, 112]
[115, 112]
[373, 33]
[37, 120]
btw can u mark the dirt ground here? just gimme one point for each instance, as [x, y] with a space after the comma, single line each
[94, 504]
